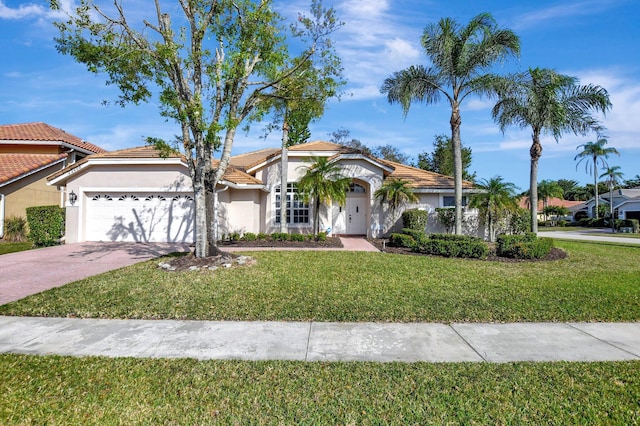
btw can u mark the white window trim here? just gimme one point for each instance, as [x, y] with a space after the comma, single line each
[290, 224]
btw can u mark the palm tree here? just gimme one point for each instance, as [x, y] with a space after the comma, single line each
[460, 56]
[548, 189]
[396, 192]
[613, 175]
[323, 183]
[494, 202]
[571, 190]
[551, 103]
[597, 152]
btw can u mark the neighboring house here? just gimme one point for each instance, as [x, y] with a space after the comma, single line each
[135, 195]
[573, 206]
[28, 154]
[626, 203]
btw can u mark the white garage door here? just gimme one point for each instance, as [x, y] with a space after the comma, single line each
[158, 217]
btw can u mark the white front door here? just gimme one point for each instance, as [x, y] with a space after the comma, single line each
[356, 215]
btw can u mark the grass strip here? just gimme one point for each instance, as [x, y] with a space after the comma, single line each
[64, 390]
[6, 248]
[597, 282]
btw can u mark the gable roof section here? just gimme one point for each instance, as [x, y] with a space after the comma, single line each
[419, 178]
[42, 132]
[16, 166]
[151, 154]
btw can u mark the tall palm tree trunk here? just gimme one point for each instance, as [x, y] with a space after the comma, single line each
[595, 184]
[456, 146]
[535, 152]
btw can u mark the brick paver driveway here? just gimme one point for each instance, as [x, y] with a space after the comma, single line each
[32, 271]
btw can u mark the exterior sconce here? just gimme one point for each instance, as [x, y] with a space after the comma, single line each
[73, 198]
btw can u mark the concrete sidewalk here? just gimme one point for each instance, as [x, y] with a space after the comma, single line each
[318, 341]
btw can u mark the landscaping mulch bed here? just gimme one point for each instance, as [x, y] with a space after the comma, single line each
[228, 260]
[330, 242]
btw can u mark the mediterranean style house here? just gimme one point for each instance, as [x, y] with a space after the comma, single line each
[137, 195]
[28, 154]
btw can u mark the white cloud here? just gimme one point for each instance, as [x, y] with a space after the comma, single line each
[563, 10]
[373, 44]
[22, 11]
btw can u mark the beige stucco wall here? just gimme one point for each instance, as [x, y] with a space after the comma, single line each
[239, 211]
[29, 192]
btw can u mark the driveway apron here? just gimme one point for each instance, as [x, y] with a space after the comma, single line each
[33, 271]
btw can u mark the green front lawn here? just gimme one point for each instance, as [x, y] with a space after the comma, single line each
[62, 390]
[597, 282]
[14, 247]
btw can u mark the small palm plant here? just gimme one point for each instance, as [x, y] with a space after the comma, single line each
[495, 202]
[596, 152]
[323, 183]
[395, 193]
[15, 229]
[613, 175]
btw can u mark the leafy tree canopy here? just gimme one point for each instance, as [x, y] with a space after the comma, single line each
[212, 66]
[440, 160]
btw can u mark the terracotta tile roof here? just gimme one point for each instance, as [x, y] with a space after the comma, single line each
[43, 132]
[524, 203]
[16, 165]
[319, 146]
[419, 178]
[249, 159]
[232, 174]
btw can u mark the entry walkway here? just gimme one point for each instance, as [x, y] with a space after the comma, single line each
[319, 341]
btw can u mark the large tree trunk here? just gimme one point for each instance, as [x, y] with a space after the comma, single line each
[535, 153]
[284, 166]
[456, 146]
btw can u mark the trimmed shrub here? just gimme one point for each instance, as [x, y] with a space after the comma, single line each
[527, 246]
[46, 225]
[415, 234]
[402, 240]
[249, 236]
[234, 236]
[15, 229]
[580, 215]
[415, 219]
[322, 236]
[453, 246]
[280, 236]
[261, 236]
[297, 237]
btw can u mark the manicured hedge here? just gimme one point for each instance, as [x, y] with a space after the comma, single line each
[46, 225]
[415, 219]
[527, 246]
[450, 245]
[402, 240]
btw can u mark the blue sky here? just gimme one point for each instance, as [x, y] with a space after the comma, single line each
[597, 41]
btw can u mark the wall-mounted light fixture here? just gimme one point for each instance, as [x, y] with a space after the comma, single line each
[72, 198]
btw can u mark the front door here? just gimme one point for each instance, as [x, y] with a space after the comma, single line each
[356, 214]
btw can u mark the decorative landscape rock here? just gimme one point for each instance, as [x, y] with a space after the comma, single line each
[212, 263]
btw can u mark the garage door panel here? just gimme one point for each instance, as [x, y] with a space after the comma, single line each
[140, 218]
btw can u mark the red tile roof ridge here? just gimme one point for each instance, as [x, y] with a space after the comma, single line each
[14, 165]
[39, 131]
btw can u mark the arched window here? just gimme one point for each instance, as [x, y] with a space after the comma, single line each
[357, 188]
[297, 209]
